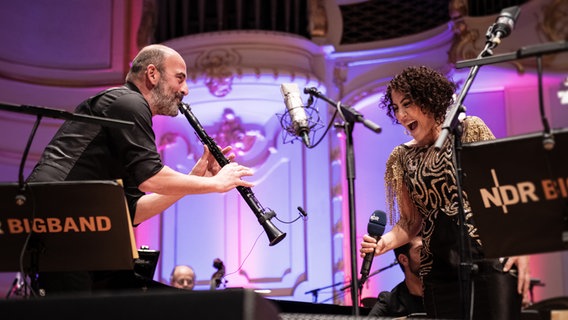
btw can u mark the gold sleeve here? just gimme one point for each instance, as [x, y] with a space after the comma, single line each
[476, 130]
[394, 183]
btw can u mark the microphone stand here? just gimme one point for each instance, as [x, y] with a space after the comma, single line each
[315, 291]
[345, 287]
[452, 125]
[350, 116]
[375, 273]
[383, 269]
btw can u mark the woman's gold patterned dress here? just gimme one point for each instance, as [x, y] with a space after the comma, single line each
[430, 180]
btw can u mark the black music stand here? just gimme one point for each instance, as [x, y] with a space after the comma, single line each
[453, 125]
[65, 226]
[518, 193]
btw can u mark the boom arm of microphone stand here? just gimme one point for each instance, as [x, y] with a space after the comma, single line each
[322, 288]
[314, 292]
[452, 118]
[383, 269]
[484, 59]
[524, 52]
[61, 114]
[351, 114]
[364, 279]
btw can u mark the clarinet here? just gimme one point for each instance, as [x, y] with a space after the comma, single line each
[263, 216]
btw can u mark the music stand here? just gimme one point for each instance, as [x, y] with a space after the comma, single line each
[65, 226]
[518, 193]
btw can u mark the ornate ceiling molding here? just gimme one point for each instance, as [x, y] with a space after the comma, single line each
[217, 59]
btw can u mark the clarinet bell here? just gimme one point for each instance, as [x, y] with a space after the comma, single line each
[274, 235]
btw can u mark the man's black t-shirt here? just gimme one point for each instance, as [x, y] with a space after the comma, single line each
[83, 151]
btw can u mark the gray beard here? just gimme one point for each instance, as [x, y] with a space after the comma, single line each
[164, 104]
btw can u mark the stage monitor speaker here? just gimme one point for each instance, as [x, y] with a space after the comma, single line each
[235, 304]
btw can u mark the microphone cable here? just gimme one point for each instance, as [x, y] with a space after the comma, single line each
[301, 214]
[246, 257]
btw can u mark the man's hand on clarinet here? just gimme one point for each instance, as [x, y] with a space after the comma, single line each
[207, 165]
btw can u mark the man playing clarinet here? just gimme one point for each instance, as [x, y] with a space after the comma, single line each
[155, 85]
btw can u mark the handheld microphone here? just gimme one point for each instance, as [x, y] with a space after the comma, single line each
[295, 106]
[504, 24]
[375, 229]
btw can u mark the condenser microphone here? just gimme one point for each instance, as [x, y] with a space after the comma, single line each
[375, 229]
[295, 106]
[504, 24]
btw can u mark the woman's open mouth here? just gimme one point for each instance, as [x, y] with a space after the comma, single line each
[411, 126]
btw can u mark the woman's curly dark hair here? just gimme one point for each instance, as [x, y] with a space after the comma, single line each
[427, 88]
